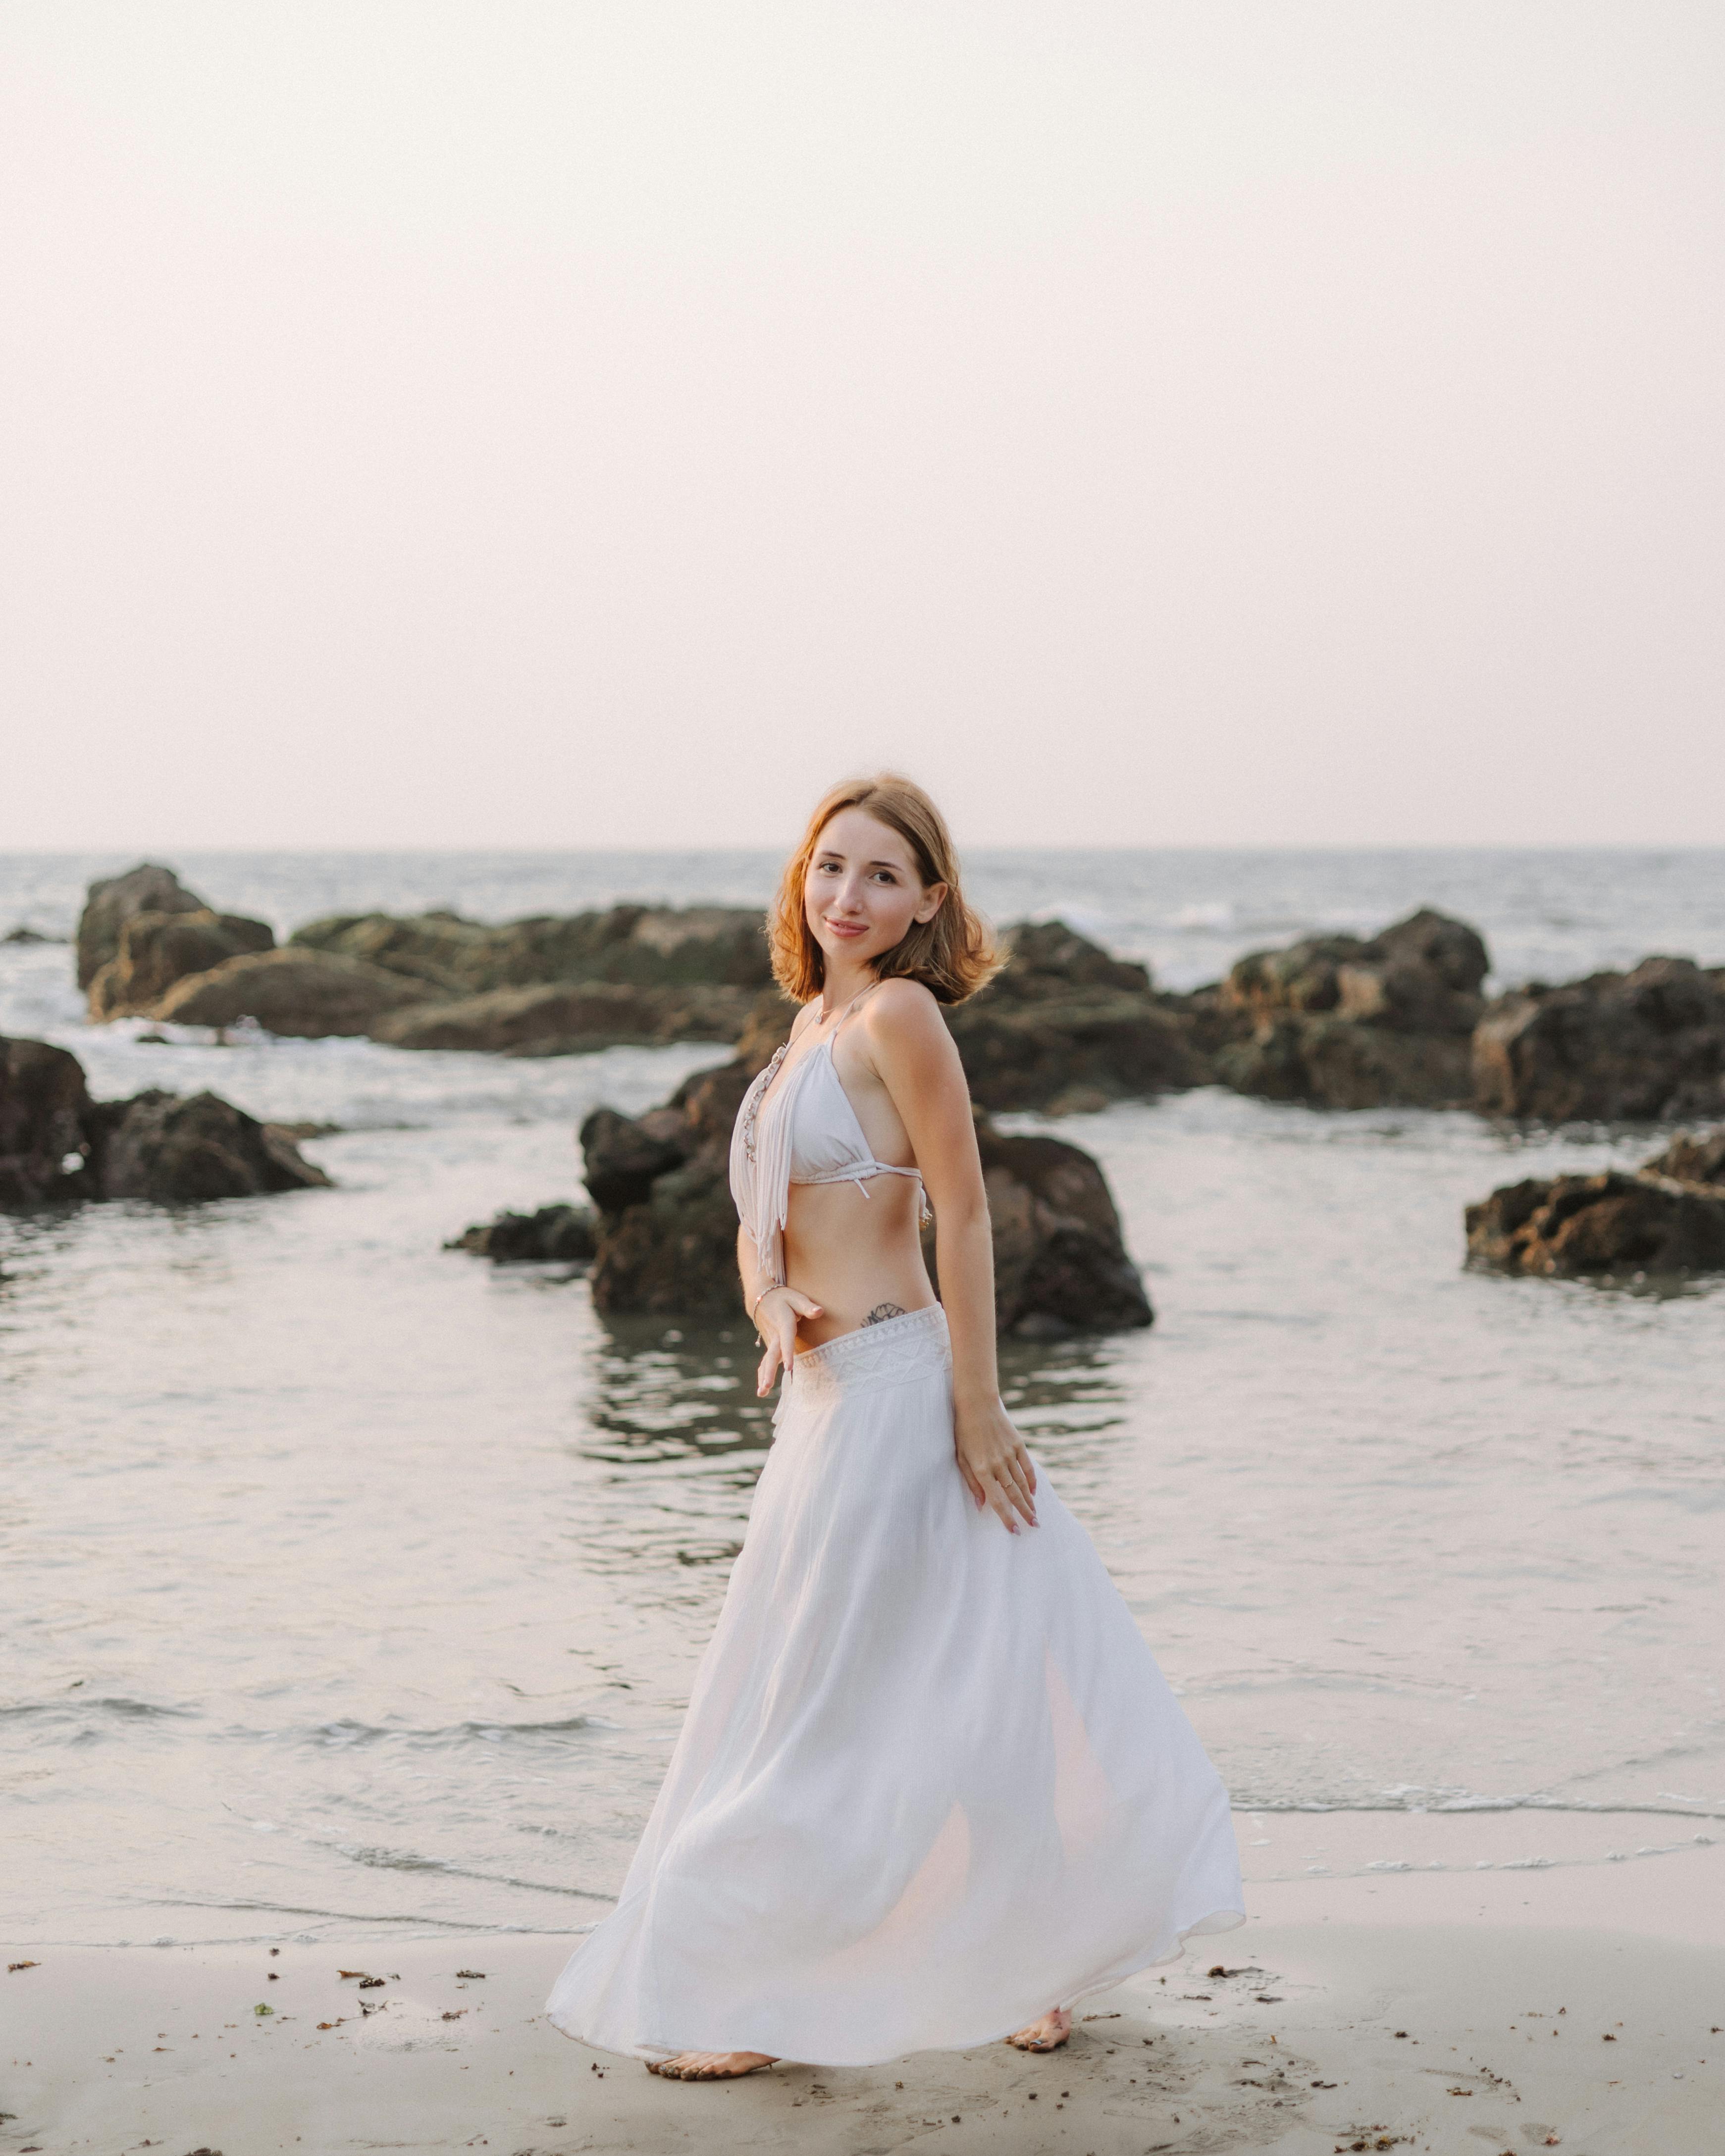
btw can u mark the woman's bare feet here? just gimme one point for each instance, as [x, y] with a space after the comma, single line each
[710, 2065]
[1047, 2035]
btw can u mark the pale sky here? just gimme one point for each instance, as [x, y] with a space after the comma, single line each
[557, 425]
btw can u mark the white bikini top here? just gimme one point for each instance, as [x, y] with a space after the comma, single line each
[807, 1132]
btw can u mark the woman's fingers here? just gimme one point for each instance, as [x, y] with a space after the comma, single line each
[1008, 1488]
[768, 1370]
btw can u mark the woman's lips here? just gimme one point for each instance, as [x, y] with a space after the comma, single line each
[848, 927]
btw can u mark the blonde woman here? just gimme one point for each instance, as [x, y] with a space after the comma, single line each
[932, 1788]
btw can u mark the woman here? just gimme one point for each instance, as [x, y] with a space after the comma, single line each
[932, 1788]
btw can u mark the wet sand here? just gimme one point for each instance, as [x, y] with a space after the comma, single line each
[1579, 2006]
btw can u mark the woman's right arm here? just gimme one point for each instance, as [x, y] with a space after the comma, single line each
[773, 1311]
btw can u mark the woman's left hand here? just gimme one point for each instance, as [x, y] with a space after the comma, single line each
[996, 1470]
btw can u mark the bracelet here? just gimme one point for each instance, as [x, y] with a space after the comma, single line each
[762, 1298]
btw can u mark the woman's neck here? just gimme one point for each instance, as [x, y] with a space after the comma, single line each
[843, 984]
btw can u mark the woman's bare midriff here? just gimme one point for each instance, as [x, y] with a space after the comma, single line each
[859, 1257]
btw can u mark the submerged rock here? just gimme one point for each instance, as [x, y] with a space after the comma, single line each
[1343, 1022]
[157, 950]
[179, 1151]
[305, 995]
[23, 933]
[57, 1144]
[1615, 1047]
[568, 1019]
[1668, 1217]
[556, 1234]
[111, 901]
[1613, 1223]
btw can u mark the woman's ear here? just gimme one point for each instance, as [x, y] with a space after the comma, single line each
[932, 900]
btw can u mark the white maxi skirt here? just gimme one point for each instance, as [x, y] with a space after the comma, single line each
[931, 1782]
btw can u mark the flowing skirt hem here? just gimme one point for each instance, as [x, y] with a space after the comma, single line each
[1169, 1949]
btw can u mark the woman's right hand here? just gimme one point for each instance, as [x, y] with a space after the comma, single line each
[775, 1315]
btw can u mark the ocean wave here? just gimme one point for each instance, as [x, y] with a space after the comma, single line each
[1454, 1803]
[81, 1711]
[379, 1859]
[349, 1736]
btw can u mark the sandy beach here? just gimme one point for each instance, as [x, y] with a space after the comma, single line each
[1578, 2005]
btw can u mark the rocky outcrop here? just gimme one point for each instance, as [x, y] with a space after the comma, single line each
[1046, 960]
[1616, 1047]
[185, 1152]
[306, 994]
[556, 1234]
[667, 1231]
[156, 950]
[1067, 1026]
[1613, 1226]
[557, 1019]
[44, 1113]
[112, 901]
[57, 1144]
[1340, 1022]
[1066, 1053]
[1061, 1263]
[667, 1234]
[637, 946]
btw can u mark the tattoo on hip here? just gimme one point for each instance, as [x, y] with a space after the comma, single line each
[881, 1312]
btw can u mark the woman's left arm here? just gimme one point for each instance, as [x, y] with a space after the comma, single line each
[916, 1060]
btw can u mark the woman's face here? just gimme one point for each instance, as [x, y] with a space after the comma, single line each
[861, 891]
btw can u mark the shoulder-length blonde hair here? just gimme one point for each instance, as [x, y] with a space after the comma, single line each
[952, 955]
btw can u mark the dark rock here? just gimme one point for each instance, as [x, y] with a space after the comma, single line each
[44, 1112]
[112, 901]
[1615, 1047]
[1060, 1264]
[156, 950]
[1615, 1224]
[1689, 1159]
[1421, 976]
[176, 1151]
[1029, 1054]
[556, 1234]
[56, 1142]
[637, 945]
[1066, 1025]
[23, 933]
[1046, 958]
[674, 1254]
[307, 994]
[625, 1155]
[1344, 1022]
[1332, 1062]
[569, 1019]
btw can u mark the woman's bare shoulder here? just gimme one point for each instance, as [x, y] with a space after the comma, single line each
[902, 1010]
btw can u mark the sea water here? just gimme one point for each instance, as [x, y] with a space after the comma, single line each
[354, 1584]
